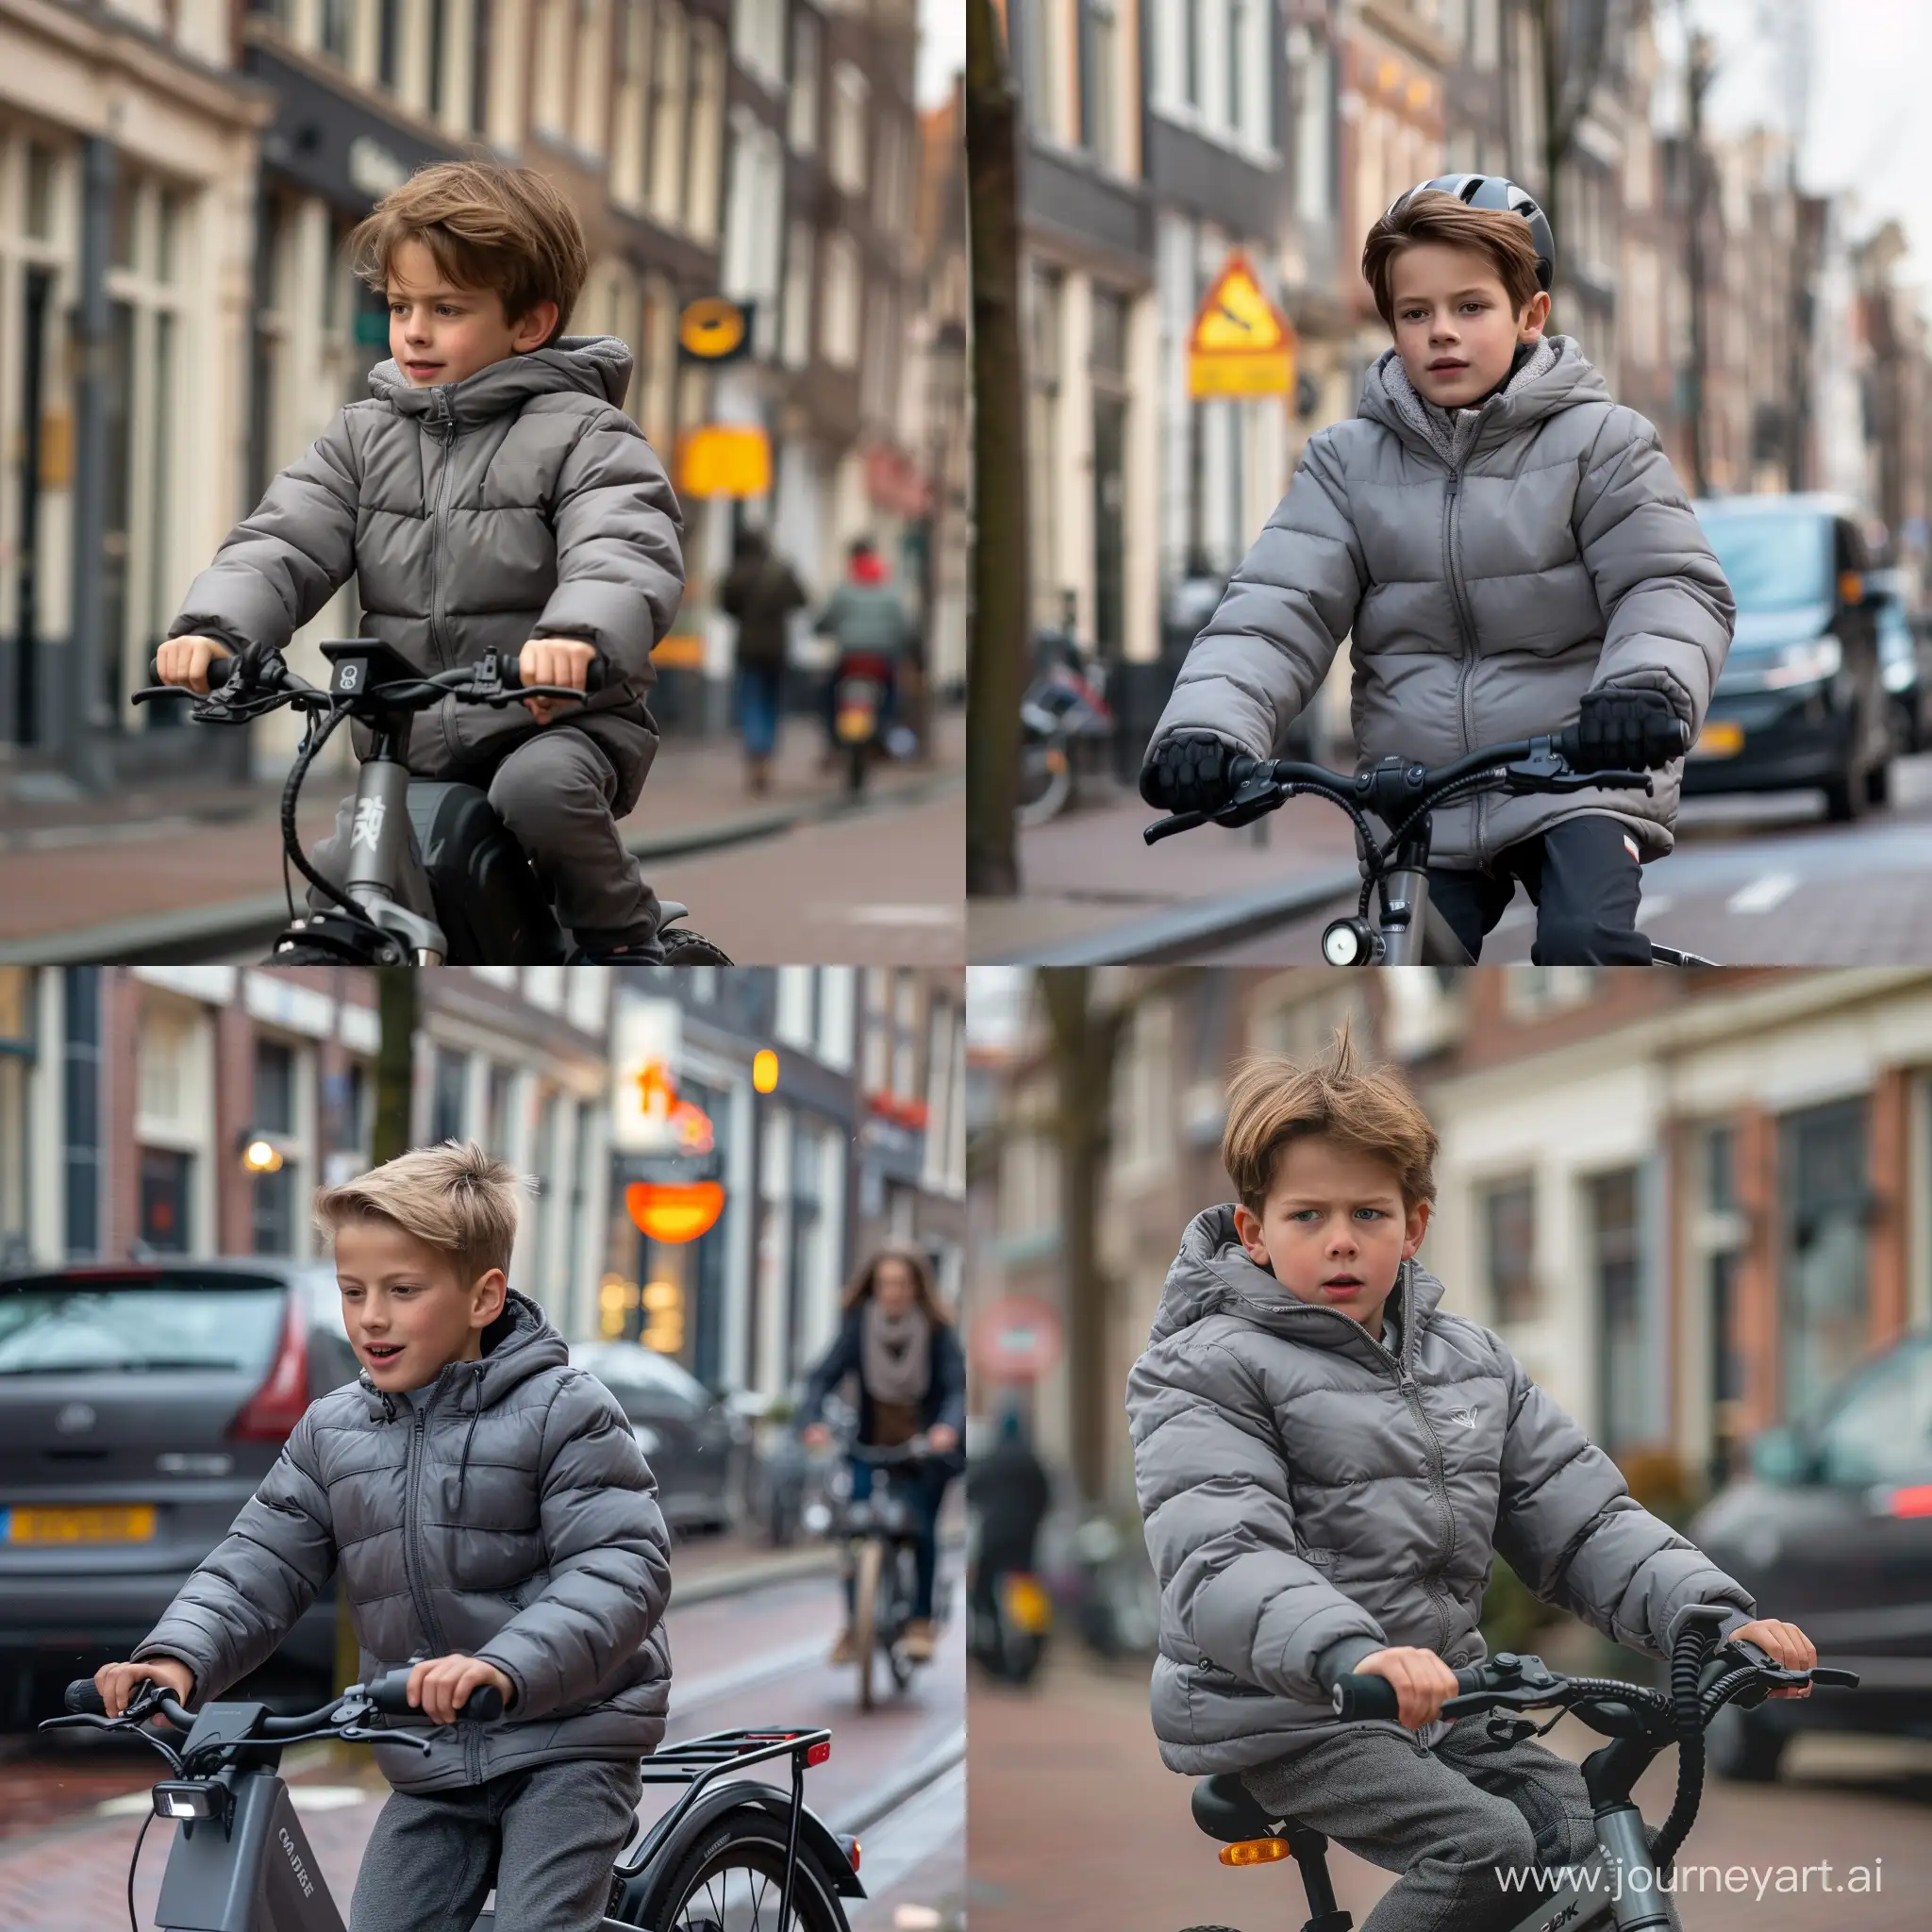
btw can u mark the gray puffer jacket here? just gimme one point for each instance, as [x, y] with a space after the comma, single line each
[507, 1514]
[1310, 1497]
[518, 503]
[1560, 554]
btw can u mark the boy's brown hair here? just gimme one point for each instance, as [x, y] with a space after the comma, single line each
[1357, 1105]
[1435, 215]
[509, 230]
[455, 1198]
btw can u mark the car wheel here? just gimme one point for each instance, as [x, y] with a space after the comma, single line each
[1844, 796]
[1878, 783]
[1744, 1747]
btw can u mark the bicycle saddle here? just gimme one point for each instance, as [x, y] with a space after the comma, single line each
[1224, 1808]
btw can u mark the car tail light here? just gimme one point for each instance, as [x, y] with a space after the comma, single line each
[276, 1406]
[1914, 1500]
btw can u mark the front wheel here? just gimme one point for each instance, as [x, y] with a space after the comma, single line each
[1046, 783]
[857, 759]
[682, 948]
[865, 1605]
[732, 1879]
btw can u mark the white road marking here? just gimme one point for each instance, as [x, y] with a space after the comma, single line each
[912, 913]
[1764, 894]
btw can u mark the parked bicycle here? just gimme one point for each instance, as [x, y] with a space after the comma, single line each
[1410, 930]
[490, 910]
[882, 1533]
[735, 1853]
[1620, 1885]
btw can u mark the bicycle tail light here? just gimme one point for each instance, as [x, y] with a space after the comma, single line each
[817, 1754]
[1254, 1851]
[849, 1845]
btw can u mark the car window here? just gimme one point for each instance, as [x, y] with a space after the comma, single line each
[1882, 1430]
[1773, 562]
[56, 1325]
[324, 1297]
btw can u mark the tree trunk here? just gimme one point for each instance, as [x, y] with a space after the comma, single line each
[1084, 1045]
[396, 994]
[1702, 74]
[996, 670]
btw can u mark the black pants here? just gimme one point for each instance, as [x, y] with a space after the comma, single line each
[1585, 883]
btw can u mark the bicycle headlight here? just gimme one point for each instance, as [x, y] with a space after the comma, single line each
[1814, 661]
[182, 1798]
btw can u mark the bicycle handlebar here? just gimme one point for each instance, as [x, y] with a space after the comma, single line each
[388, 1694]
[919, 1449]
[483, 682]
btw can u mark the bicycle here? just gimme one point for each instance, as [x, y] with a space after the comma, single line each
[490, 910]
[882, 1533]
[711, 1861]
[1619, 1885]
[1405, 796]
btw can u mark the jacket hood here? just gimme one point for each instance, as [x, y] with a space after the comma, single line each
[520, 1343]
[1571, 378]
[588, 365]
[1213, 1275]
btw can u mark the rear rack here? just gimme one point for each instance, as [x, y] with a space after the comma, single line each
[697, 1761]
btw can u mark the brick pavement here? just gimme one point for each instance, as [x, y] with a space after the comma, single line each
[1073, 1823]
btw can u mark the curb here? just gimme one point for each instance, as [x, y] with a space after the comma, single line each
[182, 936]
[907, 1785]
[742, 1578]
[1183, 932]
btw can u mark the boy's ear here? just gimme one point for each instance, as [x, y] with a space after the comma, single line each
[1247, 1228]
[1536, 312]
[1414, 1229]
[533, 331]
[489, 1291]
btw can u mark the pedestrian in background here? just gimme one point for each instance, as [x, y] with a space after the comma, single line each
[762, 592]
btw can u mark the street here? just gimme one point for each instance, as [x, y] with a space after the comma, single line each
[1754, 880]
[796, 875]
[754, 1657]
[1075, 1823]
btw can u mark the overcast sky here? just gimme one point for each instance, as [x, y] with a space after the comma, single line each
[1869, 62]
[941, 48]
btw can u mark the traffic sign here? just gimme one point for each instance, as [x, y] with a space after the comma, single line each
[724, 460]
[1016, 1340]
[1241, 344]
[712, 329]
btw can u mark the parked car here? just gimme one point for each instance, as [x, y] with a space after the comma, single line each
[1800, 701]
[689, 1437]
[1833, 1531]
[1905, 660]
[139, 1408]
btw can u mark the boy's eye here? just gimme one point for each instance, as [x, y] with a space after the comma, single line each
[1370, 1213]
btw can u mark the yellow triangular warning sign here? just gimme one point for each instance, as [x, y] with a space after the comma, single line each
[1236, 315]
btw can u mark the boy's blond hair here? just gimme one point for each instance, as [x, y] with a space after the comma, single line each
[1360, 1106]
[455, 1198]
[1435, 215]
[486, 225]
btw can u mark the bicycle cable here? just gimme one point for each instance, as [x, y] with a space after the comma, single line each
[291, 840]
[134, 1924]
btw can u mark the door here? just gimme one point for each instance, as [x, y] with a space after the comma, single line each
[22, 704]
[1109, 538]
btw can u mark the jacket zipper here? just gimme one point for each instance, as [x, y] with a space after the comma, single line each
[1465, 624]
[445, 415]
[412, 1549]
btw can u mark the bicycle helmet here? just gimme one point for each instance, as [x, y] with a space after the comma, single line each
[1495, 190]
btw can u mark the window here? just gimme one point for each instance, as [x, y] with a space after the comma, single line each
[1046, 315]
[802, 113]
[166, 1191]
[839, 326]
[1040, 69]
[274, 1088]
[274, 1210]
[499, 1124]
[757, 35]
[669, 78]
[1825, 1310]
[850, 90]
[1101, 120]
[1630, 1407]
[593, 55]
[551, 65]
[1508, 1221]
[389, 38]
[628, 141]
[481, 22]
[1144, 1092]
[792, 1024]
[448, 1100]
[81, 1107]
[438, 54]
[1315, 138]
[795, 347]
[334, 28]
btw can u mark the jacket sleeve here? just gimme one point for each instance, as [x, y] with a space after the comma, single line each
[949, 1372]
[1266, 650]
[1568, 1526]
[607, 1551]
[1668, 608]
[246, 1594]
[1213, 1491]
[278, 566]
[836, 1363]
[620, 561]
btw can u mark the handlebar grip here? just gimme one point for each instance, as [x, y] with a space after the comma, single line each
[390, 1695]
[1570, 746]
[510, 673]
[84, 1700]
[1362, 1695]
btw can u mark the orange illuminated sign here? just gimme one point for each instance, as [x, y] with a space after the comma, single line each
[674, 1211]
[724, 460]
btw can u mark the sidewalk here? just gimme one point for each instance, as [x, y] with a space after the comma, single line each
[1090, 871]
[1075, 1822]
[96, 862]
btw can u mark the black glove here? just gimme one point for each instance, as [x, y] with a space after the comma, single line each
[1188, 773]
[1627, 731]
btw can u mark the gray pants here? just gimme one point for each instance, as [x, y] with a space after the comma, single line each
[555, 792]
[1445, 1819]
[545, 1838]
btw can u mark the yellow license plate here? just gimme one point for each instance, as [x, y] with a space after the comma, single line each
[133, 1523]
[1029, 1603]
[853, 725]
[1719, 738]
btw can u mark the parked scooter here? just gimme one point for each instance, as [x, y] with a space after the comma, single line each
[1065, 721]
[1011, 1617]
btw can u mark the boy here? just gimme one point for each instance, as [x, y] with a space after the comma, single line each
[1326, 1462]
[493, 1522]
[490, 495]
[1513, 554]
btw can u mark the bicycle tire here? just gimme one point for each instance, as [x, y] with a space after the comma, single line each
[304, 956]
[682, 948]
[895, 1584]
[751, 1845]
[865, 1601]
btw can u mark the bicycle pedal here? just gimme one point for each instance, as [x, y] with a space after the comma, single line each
[1337, 1921]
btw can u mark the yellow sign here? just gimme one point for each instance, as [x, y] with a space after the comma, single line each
[724, 460]
[674, 1211]
[1241, 344]
[712, 329]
